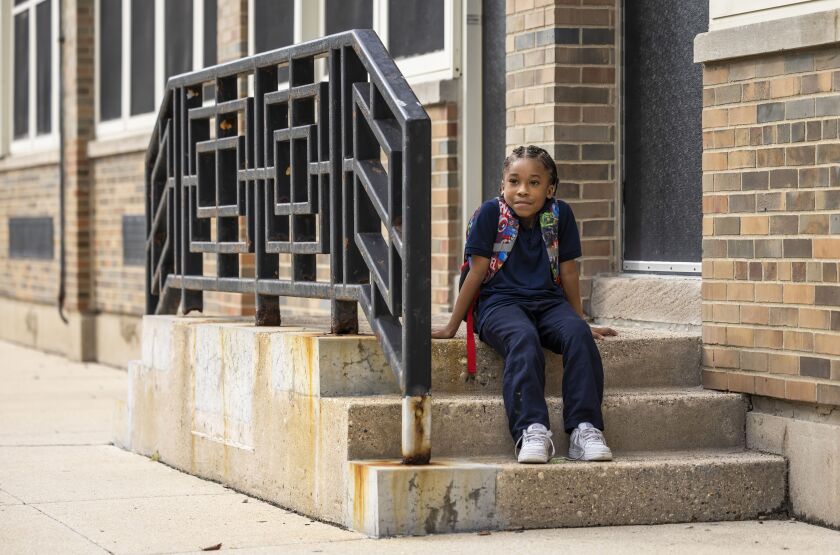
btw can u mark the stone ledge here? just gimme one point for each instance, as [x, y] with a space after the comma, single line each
[28, 161]
[441, 91]
[119, 144]
[790, 33]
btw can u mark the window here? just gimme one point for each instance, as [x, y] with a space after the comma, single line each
[139, 45]
[34, 74]
[421, 36]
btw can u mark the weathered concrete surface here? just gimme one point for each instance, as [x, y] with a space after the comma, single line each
[304, 359]
[176, 524]
[477, 425]
[39, 326]
[117, 339]
[387, 498]
[35, 414]
[649, 488]
[643, 489]
[25, 529]
[282, 413]
[636, 358]
[709, 538]
[667, 301]
[809, 439]
[53, 473]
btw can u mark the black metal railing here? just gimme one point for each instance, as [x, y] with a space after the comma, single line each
[261, 156]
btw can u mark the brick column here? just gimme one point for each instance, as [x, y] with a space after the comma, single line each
[78, 105]
[771, 225]
[561, 95]
[232, 29]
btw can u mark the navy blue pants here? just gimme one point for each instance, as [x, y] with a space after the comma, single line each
[518, 333]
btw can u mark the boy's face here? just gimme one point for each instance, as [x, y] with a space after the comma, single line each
[525, 187]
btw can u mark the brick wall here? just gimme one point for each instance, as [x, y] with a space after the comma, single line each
[27, 193]
[118, 190]
[447, 228]
[771, 226]
[561, 95]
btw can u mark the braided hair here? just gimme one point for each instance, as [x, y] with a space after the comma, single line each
[538, 153]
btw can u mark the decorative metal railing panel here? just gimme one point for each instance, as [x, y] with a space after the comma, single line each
[241, 163]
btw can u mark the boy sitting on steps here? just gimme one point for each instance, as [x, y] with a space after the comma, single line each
[521, 249]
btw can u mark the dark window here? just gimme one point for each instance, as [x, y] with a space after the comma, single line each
[274, 24]
[274, 27]
[342, 15]
[31, 238]
[178, 37]
[415, 28]
[21, 86]
[142, 56]
[43, 66]
[209, 33]
[134, 240]
[110, 59]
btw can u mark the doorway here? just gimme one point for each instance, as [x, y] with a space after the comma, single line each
[662, 143]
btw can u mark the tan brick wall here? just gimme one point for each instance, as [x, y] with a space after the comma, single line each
[27, 193]
[447, 228]
[561, 95]
[771, 226]
[118, 190]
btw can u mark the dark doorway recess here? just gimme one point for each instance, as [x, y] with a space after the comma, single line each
[663, 101]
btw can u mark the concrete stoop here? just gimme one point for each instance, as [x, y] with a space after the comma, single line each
[312, 422]
[479, 494]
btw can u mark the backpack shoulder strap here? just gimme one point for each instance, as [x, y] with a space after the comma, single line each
[549, 222]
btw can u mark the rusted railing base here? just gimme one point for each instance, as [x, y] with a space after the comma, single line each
[417, 429]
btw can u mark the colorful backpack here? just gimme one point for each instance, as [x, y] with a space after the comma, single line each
[507, 231]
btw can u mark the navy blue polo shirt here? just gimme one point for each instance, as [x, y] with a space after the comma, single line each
[526, 274]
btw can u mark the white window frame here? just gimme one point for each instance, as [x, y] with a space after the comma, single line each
[128, 124]
[5, 81]
[444, 64]
[33, 142]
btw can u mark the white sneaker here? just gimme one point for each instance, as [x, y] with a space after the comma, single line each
[587, 444]
[535, 441]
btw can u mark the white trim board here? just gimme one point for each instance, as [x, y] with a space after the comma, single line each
[664, 267]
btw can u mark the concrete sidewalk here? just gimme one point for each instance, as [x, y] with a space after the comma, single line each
[65, 489]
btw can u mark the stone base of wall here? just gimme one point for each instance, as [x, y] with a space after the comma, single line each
[808, 436]
[117, 338]
[112, 339]
[39, 326]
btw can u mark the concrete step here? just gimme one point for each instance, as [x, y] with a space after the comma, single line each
[459, 495]
[635, 358]
[308, 361]
[291, 415]
[648, 300]
[635, 420]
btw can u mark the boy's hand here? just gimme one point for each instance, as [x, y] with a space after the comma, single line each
[446, 332]
[600, 333]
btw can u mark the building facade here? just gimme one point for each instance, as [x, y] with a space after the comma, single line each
[693, 138]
